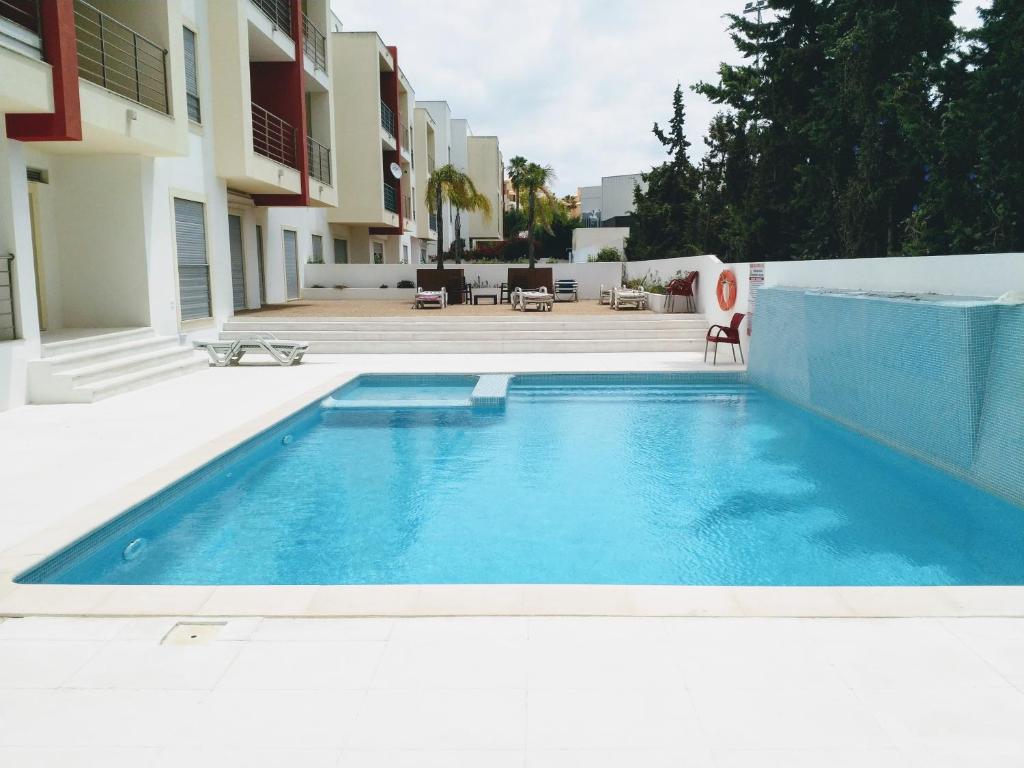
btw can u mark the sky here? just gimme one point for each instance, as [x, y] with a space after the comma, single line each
[574, 84]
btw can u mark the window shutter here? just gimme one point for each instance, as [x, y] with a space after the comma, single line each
[291, 263]
[191, 75]
[193, 268]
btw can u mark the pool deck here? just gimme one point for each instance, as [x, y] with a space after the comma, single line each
[419, 676]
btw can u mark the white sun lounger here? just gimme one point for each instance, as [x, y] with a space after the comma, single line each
[539, 298]
[225, 353]
[627, 297]
[431, 298]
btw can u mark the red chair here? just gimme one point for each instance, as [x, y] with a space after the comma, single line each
[719, 334]
[683, 286]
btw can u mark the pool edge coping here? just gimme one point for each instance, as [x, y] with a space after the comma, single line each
[351, 601]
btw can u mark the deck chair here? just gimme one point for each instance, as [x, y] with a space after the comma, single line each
[540, 298]
[627, 297]
[568, 290]
[222, 353]
[437, 299]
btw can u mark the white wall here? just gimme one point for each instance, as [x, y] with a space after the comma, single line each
[589, 276]
[587, 241]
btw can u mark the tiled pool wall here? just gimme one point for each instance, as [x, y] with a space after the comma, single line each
[943, 380]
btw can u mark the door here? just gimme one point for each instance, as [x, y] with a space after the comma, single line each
[237, 261]
[193, 267]
[340, 251]
[291, 263]
[378, 253]
[259, 265]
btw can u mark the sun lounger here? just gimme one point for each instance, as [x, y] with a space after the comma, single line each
[627, 297]
[431, 298]
[224, 353]
[540, 298]
[605, 295]
[567, 290]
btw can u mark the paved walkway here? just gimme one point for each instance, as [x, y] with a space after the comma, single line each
[503, 692]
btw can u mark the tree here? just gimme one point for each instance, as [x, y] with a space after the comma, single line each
[540, 203]
[664, 216]
[449, 184]
[516, 174]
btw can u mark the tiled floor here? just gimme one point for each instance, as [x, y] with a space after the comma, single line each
[545, 692]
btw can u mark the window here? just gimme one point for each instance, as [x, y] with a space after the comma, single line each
[191, 76]
[378, 253]
[405, 254]
[340, 251]
[193, 268]
[317, 257]
[423, 254]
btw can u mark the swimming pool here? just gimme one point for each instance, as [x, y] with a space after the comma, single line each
[688, 479]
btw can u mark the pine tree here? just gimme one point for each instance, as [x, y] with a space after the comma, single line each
[663, 223]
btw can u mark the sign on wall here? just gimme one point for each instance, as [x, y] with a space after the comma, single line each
[756, 281]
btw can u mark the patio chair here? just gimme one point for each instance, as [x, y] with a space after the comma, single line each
[425, 298]
[504, 297]
[604, 296]
[567, 288]
[684, 286]
[719, 334]
[467, 292]
[540, 298]
[627, 297]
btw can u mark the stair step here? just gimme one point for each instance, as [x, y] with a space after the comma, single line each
[498, 346]
[412, 326]
[126, 364]
[73, 346]
[477, 335]
[119, 384]
[97, 355]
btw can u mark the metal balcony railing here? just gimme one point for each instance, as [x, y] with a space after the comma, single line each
[8, 328]
[119, 59]
[278, 11]
[319, 160]
[387, 119]
[24, 13]
[272, 137]
[314, 43]
[390, 198]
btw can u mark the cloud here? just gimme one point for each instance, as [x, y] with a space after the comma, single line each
[575, 84]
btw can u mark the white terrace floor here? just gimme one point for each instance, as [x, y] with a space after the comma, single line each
[461, 692]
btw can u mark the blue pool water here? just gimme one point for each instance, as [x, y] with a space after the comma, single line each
[669, 479]
[392, 388]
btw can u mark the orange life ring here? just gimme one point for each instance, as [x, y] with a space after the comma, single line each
[727, 290]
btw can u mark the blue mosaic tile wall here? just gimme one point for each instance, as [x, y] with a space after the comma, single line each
[943, 380]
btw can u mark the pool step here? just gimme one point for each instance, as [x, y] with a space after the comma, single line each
[491, 391]
[619, 332]
[83, 370]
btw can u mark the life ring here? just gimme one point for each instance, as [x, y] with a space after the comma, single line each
[726, 290]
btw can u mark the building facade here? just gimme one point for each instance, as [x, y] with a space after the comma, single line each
[165, 165]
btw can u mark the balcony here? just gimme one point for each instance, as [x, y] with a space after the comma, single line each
[314, 44]
[387, 119]
[319, 160]
[115, 57]
[273, 137]
[390, 198]
[279, 13]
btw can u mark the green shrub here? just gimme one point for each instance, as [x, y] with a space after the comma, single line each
[607, 254]
[405, 284]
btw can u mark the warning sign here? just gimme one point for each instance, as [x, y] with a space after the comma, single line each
[756, 281]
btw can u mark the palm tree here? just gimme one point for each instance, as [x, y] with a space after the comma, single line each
[448, 183]
[540, 202]
[516, 169]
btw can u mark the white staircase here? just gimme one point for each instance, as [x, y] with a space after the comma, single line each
[544, 333]
[90, 368]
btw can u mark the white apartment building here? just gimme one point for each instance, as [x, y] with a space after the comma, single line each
[160, 170]
[609, 202]
[164, 165]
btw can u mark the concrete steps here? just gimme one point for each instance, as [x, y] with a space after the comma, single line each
[615, 332]
[91, 368]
